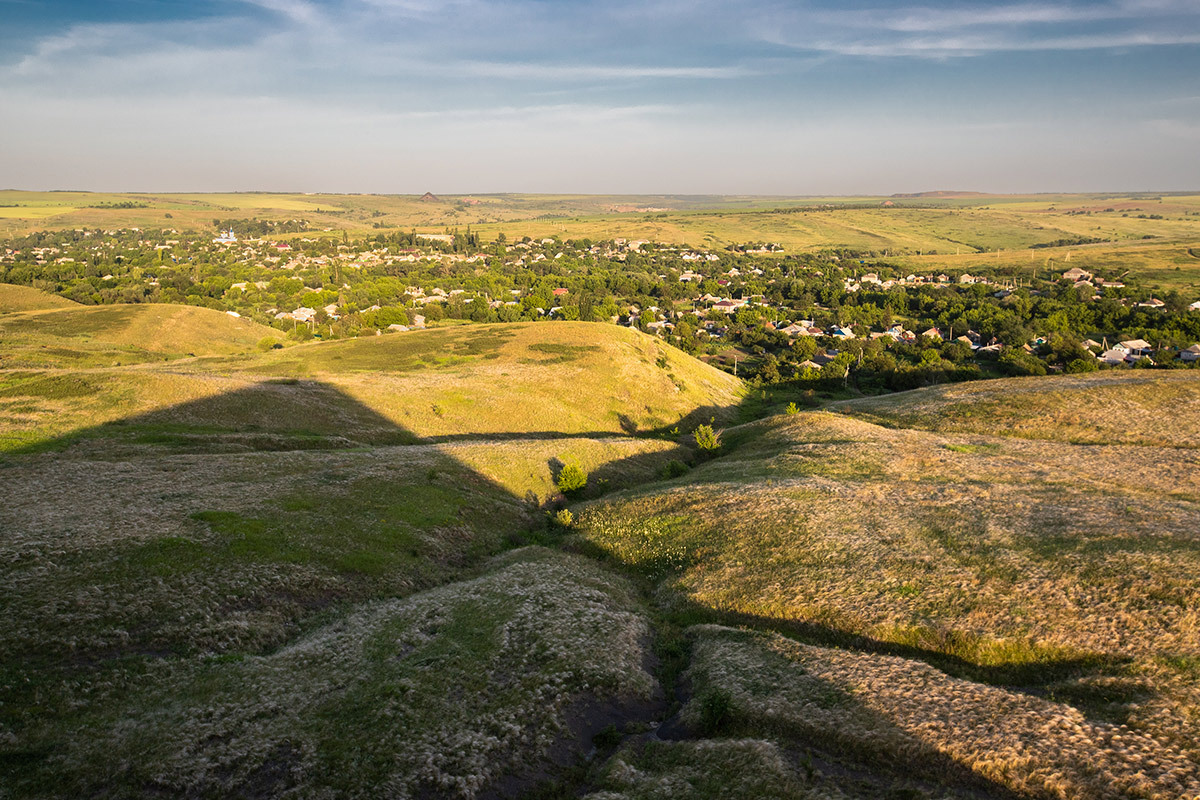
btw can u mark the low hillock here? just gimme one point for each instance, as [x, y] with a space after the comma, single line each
[1160, 409]
[25, 298]
[75, 336]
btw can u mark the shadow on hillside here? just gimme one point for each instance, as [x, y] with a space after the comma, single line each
[336, 521]
[864, 748]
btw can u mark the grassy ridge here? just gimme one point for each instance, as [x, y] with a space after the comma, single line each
[26, 298]
[1160, 410]
[1066, 568]
[94, 336]
[523, 380]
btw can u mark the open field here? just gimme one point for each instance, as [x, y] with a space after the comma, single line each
[1154, 237]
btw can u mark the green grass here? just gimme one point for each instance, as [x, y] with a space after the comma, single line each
[99, 336]
[439, 693]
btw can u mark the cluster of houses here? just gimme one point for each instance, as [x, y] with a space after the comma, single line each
[1132, 351]
[873, 280]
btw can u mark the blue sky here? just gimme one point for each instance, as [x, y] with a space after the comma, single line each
[751, 97]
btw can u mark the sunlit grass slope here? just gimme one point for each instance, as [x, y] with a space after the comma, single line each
[521, 380]
[908, 720]
[570, 377]
[26, 298]
[1159, 409]
[1068, 569]
[101, 336]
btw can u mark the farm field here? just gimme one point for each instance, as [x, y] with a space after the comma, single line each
[1154, 237]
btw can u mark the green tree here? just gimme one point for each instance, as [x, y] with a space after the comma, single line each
[706, 438]
[572, 480]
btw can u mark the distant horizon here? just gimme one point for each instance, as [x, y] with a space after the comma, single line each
[912, 195]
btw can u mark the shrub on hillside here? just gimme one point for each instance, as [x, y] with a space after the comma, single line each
[707, 439]
[673, 469]
[572, 480]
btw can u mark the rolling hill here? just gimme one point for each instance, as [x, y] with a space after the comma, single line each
[942, 598]
[26, 298]
[73, 335]
[1160, 409]
[343, 568]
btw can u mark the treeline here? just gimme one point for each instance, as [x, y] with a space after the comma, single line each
[255, 227]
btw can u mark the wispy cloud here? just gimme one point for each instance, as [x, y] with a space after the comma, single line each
[971, 30]
[558, 71]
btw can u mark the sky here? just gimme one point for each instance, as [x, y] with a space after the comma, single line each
[778, 97]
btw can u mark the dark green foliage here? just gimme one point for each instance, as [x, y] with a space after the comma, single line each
[673, 469]
[716, 707]
[608, 738]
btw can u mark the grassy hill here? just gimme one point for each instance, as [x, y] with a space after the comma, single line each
[71, 335]
[174, 529]
[528, 381]
[334, 569]
[1159, 410]
[983, 568]
[26, 298]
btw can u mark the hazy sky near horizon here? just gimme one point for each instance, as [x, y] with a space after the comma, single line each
[750, 97]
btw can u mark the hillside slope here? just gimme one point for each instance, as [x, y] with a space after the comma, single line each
[308, 572]
[94, 336]
[1019, 567]
[275, 521]
[1159, 409]
[455, 384]
[26, 298]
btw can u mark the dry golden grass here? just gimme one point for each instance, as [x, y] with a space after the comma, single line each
[94, 336]
[1160, 409]
[901, 713]
[26, 298]
[1010, 560]
[476, 382]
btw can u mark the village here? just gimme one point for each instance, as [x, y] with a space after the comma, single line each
[746, 307]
